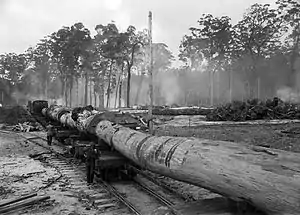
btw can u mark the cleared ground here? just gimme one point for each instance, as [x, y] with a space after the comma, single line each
[20, 175]
[15, 163]
[283, 134]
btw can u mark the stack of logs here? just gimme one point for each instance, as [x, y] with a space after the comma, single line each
[268, 179]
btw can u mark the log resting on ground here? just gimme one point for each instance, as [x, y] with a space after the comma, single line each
[169, 110]
[269, 179]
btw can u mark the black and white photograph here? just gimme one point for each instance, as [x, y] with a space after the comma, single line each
[150, 107]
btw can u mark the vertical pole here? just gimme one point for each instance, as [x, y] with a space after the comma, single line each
[151, 74]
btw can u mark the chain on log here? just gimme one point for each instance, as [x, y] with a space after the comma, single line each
[269, 179]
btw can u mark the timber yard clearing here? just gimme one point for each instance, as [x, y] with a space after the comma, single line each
[20, 174]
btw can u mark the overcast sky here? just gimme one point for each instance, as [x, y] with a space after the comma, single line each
[24, 22]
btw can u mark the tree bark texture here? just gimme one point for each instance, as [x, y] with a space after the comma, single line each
[266, 178]
[70, 90]
[108, 86]
[120, 93]
[86, 88]
[95, 98]
[90, 93]
[139, 90]
[128, 85]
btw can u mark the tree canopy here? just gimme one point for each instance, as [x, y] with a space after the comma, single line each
[258, 56]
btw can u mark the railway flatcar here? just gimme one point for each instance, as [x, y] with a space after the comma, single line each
[110, 165]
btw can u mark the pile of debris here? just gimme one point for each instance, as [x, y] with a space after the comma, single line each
[27, 127]
[17, 118]
[255, 109]
[14, 115]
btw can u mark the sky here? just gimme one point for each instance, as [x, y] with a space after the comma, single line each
[24, 22]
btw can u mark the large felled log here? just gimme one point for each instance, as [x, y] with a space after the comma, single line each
[160, 110]
[269, 179]
[182, 111]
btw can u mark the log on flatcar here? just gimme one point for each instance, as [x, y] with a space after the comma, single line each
[268, 179]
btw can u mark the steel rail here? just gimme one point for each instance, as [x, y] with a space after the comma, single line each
[107, 186]
[115, 193]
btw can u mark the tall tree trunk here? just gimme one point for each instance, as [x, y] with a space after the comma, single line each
[102, 89]
[66, 91]
[120, 93]
[211, 87]
[116, 93]
[230, 84]
[91, 93]
[86, 88]
[101, 96]
[128, 84]
[108, 87]
[95, 98]
[136, 101]
[77, 92]
[118, 85]
[295, 52]
[70, 90]
[46, 88]
[63, 86]
[101, 99]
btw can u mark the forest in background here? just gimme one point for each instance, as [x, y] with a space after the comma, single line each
[258, 57]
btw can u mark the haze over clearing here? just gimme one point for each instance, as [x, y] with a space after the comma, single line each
[24, 23]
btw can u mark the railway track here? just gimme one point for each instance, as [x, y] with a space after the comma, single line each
[103, 195]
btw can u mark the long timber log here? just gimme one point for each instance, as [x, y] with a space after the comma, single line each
[269, 179]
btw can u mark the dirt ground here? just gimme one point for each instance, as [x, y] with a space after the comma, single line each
[283, 136]
[21, 175]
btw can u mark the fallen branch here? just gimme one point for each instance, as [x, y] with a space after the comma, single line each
[50, 183]
[28, 175]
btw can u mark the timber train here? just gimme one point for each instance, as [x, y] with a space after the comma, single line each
[108, 166]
